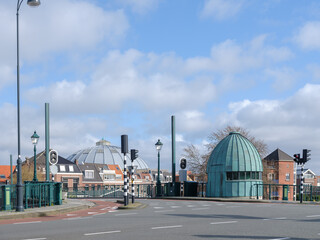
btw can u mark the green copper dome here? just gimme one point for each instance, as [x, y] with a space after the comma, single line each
[234, 168]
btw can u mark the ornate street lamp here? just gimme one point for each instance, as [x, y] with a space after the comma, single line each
[158, 148]
[19, 186]
[34, 139]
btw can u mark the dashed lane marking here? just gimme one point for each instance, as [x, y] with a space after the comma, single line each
[215, 223]
[70, 214]
[158, 207]
[27, 222]
[312, 216]
[175, 206]
[100, 233]
[166, 227]
[280, 238]
[90, 213]
[77, 218]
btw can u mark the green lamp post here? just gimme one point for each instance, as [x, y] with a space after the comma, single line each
[35, 139]
[158, 148]
[19, 186]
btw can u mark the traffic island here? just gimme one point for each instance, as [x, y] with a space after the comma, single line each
[135, 205]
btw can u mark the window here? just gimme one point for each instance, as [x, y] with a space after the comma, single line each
[62, 168]
[244, 175]
[2, 176]
[89, 174]
[271, 176]
[71, 168]
[287, 176]
[109, 177]
[235, 175]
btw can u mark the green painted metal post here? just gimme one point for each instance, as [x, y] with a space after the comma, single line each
[310, 192]
[47, 140]
[11, 169]
[173, 136]
[6, 191]
[269, 191]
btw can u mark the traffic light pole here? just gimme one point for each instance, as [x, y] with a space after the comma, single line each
[301, 183]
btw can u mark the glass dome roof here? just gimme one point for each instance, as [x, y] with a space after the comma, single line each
[104, 153]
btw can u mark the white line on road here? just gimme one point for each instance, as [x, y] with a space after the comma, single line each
[114, 211]
[163, 227]
[99, 214]
[220, 204]
[158, 207]
[70, 214]
[102, 209]
[195, 209]
[280, 218]
[223, 222]
[280, 238]
[35, 239]
[28, 222]
[233, 206]
[163, 211]
[175, 206]
[190, 205]
[92, 213]
[99, 233]
[206, 205]
[312, 216]
[125, 214]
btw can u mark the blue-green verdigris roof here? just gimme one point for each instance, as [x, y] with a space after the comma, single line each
[235, 153]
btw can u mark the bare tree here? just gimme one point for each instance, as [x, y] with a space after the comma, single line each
[198, 162]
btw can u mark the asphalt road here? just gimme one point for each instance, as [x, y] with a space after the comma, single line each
[168, 219]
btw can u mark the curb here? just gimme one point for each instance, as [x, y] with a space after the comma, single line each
[43, 212]
[136, 205]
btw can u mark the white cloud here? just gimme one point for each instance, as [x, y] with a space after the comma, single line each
[221, 9]
[129, 77]
[308, 36]
[292, 123]
[283, 79]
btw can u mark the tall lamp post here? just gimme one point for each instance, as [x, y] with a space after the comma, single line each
[34, 139]
[19, 186]
[158, 148]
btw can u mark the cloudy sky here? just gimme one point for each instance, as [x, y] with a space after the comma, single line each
[113, 67]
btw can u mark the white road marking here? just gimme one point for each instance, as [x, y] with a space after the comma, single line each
[70, 214]
[206, 205]
[125, 214]
[280, 218]
[312, 216]
[195, 209]
[223, 222]
[280, 238]
[164, 227]
[233, 206]
[102, 209]
[163, 211]
[190, 206]
[158, 207]
[266, 219]
[99, 233]
[114, 211]
[115, 208]
[35, 239]
[28, 222]
[175, 206]
[92, 213]
[220, 204]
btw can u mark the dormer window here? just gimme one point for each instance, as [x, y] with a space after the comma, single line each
[89, 174]
[71, 169]
[62, 168]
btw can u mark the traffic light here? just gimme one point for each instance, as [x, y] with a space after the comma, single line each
[296, 158]
[134, 154]
[53, 157]
[306, 155]
[183, 163]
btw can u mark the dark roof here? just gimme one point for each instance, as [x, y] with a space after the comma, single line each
[278, 155]
[90, 166]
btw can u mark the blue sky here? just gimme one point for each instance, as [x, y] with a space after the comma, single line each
[117, 67]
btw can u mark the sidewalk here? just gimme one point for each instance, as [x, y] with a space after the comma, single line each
[68, 205]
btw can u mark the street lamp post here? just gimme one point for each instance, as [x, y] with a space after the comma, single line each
[158, 148]
[34, 139]
[19, 186]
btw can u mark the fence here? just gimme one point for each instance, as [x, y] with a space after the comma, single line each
[35, 194]
[287, 192]
[110, 191]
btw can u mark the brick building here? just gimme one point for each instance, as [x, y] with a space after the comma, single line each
[279, 169]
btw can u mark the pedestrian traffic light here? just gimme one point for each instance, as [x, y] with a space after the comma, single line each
[183, 163]
[296, 158]
[306, 155]
[134, 154]
[53, 157]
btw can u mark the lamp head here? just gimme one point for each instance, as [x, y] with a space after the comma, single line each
[33, 3]
[158, 145]
[34, 138]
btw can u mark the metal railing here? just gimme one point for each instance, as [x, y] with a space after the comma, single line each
[35, 194]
